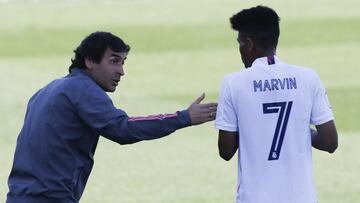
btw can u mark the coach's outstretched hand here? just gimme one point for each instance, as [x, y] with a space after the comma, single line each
[201, 113]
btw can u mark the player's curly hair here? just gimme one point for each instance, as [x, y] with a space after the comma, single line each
[94, 46]
[260, 23]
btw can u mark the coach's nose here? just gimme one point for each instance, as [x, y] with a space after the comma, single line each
[120, 70]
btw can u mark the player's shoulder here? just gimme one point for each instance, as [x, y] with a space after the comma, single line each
[301, 70]
[231, 76]
[235, 75]
[229, 79]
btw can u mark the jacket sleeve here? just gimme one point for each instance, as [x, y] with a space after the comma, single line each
[96, 109]
[127, 130]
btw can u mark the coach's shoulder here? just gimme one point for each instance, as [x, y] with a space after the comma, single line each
[82, 86]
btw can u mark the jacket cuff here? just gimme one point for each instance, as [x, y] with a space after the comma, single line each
[184, 118]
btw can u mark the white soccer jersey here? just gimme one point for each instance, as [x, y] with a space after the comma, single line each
[271, 105]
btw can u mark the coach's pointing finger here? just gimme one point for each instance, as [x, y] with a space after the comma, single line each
[199, 99]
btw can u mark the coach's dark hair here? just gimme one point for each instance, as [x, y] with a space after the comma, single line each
[260, 23]
[94, 46]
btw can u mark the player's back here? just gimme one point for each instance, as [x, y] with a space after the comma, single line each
[273, 105]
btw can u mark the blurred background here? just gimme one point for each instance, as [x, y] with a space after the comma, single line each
[179, 49]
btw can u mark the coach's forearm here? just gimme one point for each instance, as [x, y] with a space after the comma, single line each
[128, 130]
[158, 126]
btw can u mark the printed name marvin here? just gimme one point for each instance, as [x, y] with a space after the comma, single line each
[274, 84]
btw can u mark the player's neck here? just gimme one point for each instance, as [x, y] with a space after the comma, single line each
[271, 52]
[258, 54]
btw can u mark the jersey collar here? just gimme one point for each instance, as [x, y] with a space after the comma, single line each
[266, 61]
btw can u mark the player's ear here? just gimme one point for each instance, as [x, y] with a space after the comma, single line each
[250, 44]
[89, 64]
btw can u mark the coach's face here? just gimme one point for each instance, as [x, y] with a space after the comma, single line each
[107, 74]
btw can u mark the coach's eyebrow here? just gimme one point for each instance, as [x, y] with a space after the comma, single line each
[115, 55]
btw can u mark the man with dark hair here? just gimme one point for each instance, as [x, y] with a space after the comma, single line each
[94, 46]
[55, 148]
[266, 111]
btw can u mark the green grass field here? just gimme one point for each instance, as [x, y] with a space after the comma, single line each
[180, 48]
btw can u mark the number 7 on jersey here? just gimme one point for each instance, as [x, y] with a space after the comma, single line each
[284, 107]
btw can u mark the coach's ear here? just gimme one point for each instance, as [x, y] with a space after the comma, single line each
[89, 64]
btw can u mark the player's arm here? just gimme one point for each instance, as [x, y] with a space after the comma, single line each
[326, 137]
[227, 144]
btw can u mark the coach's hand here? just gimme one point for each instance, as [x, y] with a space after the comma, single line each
[201, 113]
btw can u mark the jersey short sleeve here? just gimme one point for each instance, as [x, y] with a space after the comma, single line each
[321, 110]
[226, 118]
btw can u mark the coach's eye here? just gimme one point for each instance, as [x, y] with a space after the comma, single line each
[114, 61]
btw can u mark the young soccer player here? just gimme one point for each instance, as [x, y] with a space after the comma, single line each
[266, 111]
